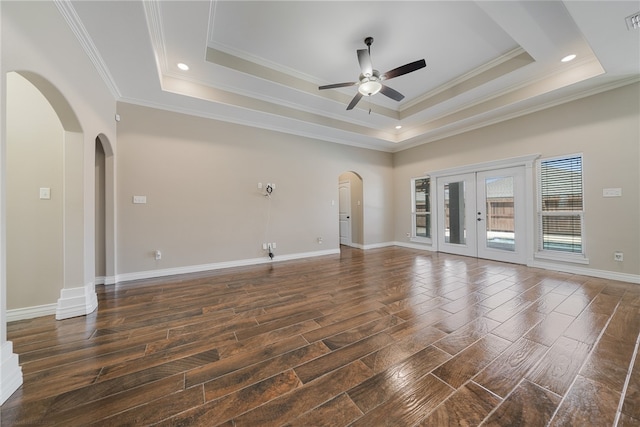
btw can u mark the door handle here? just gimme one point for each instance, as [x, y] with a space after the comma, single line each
[348, 217]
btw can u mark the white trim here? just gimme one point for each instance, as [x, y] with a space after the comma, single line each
[529, 197]
[486, 166]
[603, 274]
[74, 22]
[75, 302]
[150, 274]
[10, 371]
[423, 240]
[515, 114]
[105, 280]
[31, 312]
[378, 245]
[574, 258]
[428, 248]
[354, 245]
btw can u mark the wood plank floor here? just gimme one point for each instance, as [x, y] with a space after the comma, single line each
[383, 337]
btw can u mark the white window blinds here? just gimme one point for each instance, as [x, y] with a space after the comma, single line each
[561, 211]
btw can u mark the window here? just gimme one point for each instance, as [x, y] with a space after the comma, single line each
[560, 207]
[421, 208]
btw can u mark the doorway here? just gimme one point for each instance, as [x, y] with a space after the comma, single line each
[344, 212]
[482, 214]
[350, 210]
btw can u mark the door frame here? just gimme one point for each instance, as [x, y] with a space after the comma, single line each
[518, 254]
[349, 238]
[468, 248]
[527, 161]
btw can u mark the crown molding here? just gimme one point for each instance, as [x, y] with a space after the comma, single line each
[74, 22]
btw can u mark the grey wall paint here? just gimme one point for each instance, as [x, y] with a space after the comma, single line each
[604, 127]
[200, 178]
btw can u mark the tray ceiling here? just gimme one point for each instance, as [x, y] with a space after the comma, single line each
[260, 63]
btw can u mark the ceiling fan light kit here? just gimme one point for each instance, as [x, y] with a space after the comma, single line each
[370, 81]
[370, 85]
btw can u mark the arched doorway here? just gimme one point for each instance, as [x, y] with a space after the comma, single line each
[76, 296]
[350, 208]
[34, 200]
[104, 212]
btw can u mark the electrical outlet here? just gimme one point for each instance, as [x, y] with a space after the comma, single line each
[273, 245]
[408, 234]
[618, 256]
[158, 255]
[319, 240]
[264, 246]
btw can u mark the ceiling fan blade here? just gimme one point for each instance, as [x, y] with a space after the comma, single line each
[354, 101]
[336, 85]
[391, 93]
[364, 58]
[405, 69]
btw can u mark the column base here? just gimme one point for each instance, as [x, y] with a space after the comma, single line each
[74, 302]
[10, 371]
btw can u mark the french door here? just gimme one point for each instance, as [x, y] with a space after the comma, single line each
[482, 214]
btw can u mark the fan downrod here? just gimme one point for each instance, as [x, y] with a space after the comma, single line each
[368, 41]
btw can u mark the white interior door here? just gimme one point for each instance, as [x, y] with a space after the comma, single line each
[482, 214]
[344, 209]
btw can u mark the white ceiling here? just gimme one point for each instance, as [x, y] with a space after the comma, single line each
[260, 62]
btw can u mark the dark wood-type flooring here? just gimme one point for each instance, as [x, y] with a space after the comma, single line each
[383, 337]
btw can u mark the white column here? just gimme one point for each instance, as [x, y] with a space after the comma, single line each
[10, 370]
[78, 297]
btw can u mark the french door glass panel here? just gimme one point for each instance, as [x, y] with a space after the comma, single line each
[499, 214]
[456, 228]
[482, 214]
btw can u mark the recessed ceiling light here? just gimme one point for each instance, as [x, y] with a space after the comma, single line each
[183, 66]
[399, 127]
[568, 58]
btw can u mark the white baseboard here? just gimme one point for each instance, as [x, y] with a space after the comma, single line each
[75, 302]
[378, 245]
[31, 312]
[150, 274]
[410, 245]
[564, 268]
[10, 371]
[602, 274]
[105, 280]
[79, 302]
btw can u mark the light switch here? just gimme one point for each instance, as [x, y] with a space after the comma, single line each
[612, 192]
[45, 193]
[139, 199]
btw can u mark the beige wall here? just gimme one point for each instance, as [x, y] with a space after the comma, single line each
[34, 226]
[203, 206]
[604, 127]
[48, 51]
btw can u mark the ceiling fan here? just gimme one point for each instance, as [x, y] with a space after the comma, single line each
[370, 80]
